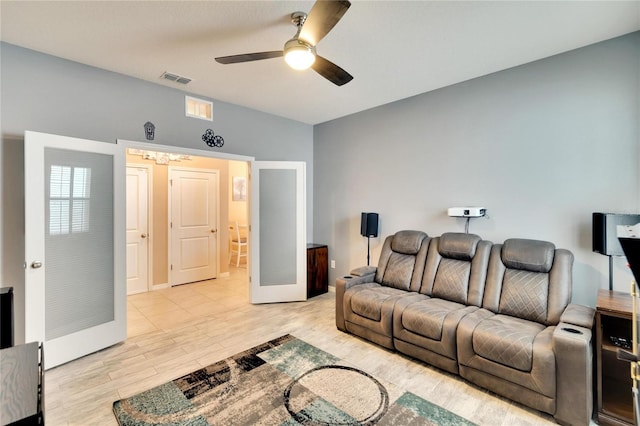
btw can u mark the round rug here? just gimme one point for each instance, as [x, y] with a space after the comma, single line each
[353, 392]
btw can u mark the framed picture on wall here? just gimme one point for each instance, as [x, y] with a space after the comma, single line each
[239, 188]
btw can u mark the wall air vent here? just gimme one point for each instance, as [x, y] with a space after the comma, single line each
[175, 78]
[198, 108]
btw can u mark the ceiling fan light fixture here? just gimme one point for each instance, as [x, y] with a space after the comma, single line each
[298, 54]
[300, 51]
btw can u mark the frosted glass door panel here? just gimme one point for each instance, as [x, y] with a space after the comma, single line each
[78, 241]
[278, 232]
[278, 220]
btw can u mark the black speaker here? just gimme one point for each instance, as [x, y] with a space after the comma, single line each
[605, 233]
[369, 225]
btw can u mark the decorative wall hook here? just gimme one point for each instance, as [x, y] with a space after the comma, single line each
[149, 130]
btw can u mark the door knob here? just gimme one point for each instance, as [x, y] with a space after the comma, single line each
[143, 236]
[36, 264]
[213, 231]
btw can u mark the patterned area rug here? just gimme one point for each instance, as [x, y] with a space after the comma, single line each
[282, 382]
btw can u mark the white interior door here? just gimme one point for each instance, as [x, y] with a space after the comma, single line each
[75, 281]
[193, 225]
[137, 230]
[278, 232]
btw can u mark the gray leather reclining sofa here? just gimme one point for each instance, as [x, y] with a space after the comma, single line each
[498, 315]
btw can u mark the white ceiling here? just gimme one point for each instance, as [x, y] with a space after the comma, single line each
[394, 49]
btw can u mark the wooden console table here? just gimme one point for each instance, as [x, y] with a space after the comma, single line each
[317, 269]
[613, 324]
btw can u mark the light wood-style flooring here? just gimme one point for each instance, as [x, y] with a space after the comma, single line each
[178, 330]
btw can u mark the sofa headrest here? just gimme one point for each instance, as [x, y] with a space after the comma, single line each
[528, 255]
[459, 246]
[407, 242]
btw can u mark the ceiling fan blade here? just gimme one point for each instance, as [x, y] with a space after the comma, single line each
[331, 71]
[322, 17]
[248, 57]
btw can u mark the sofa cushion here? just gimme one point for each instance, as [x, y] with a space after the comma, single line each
[399, 271]
[402, 260]
[450, 273]
[525, 295]
[507, 341]
[458, 246]
[516, 286]
[528, 255]
[368, 303]
[452, 280]
[426, 318]
[407, 242]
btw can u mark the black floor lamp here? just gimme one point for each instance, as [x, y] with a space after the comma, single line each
[369, 228]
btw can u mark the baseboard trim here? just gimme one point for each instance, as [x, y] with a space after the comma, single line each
[159, 286]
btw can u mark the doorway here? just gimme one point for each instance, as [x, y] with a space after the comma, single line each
[229, 209]
[152, 309]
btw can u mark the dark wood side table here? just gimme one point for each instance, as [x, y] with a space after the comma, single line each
[317, 269]
[613, 324]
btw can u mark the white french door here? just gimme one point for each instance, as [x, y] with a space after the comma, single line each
[193, 225]
[278, 232]
[75, 280]
[137, 229]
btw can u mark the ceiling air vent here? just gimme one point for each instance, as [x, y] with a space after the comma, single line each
[175, 78]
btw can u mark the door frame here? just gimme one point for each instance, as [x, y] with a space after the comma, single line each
[215, 172]
[196, 153]
[149, 170]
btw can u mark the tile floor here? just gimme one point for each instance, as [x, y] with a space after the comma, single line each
[178, 330]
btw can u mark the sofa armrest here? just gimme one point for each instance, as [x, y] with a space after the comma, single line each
[363, 270]
[573, 348]
[579, 315]
[343, 284]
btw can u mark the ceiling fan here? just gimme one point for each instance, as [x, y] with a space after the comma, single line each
[300, 51]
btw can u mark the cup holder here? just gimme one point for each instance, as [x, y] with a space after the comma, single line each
[571, 330]
[347, 277]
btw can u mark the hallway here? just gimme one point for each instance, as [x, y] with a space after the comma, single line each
[165, 309]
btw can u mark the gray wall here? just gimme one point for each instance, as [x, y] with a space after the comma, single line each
[541, 146]
[52, 95]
